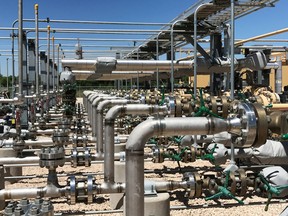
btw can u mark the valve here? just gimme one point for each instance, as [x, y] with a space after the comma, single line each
[223, 191]
[60, 136]
[203, 109]
[209, 156]
[80, 158]
[186, 154]
[263, 182]
[81, 189]
[52, 157]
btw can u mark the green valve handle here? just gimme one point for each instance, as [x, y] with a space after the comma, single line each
[271, 190]
[177, 139]
[210, 156]
[284, 137]
[223, 191]
[203, 109]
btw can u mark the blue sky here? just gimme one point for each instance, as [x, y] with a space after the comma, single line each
[262, 21]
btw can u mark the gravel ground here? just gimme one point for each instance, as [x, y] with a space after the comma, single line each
[253, 205]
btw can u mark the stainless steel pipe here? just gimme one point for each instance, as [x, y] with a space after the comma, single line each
[159, 127]
[112, 114]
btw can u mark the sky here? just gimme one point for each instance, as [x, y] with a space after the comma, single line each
[163, 11]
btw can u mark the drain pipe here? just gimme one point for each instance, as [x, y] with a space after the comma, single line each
[159, 127]
[112, 114]
[100, 116]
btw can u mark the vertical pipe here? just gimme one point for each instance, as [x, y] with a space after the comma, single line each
[48, 59]
[157, 57]
[138, 71]
[232, 49]
[58, 66]
[135, 193]
[278, 78]
[172, 58]
[195, 46]
[20, 47]
[48, 69]
[13, 64]
[232, 161]
[37, 49]
[53, 63]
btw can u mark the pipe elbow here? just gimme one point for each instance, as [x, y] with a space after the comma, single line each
[114, 112]
[141, 134]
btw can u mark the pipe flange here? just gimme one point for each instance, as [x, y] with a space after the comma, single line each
[191, 184]
[225, 106]
[19, 145]
[198, 184]
[81, 189]
[60, 136]
[189, 155]
[243, 179]
[233, 185]
[64, 123]
[52, 157]
[262, 125]
[72, 183]
[90, 182]
[171, 106]
[80, 158]
[178, 108]
[248, 125]
[158, 155]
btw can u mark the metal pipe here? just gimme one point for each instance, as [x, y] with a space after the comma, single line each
[278, 78]
[93, 114]
[48, 70]
[99, 118]
[37, 48]
[238, 43]
[20, 48]
[232, 69]
[195, 45]
[112, 114]
[232, 54]
[50, 191]
[53, 63]
[157, 58]
[58, 67]
[158, 127]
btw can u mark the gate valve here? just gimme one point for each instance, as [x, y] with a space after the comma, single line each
[223, 191]
[203, 109]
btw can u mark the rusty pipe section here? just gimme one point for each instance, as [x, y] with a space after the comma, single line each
[159, 127]
[112, 114]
